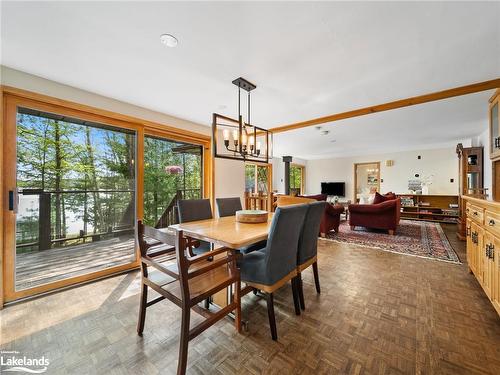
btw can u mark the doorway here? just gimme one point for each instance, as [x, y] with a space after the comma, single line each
[366, 181]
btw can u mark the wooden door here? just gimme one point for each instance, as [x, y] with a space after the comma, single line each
[477, 234]
[470, 248]
[495, 299]
[488, 245]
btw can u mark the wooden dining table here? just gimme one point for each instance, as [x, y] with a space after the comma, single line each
[227, 232]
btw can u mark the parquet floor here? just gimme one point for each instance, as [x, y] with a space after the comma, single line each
[379, 313]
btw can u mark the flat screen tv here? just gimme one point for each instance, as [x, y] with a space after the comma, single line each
[333, 188]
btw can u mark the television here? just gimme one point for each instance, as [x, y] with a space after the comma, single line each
[333, 188]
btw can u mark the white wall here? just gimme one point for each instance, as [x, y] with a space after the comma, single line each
[279, 172]
[442, 163]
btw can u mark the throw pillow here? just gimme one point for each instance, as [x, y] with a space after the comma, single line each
[379, 198]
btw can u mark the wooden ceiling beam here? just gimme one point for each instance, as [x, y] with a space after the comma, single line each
[439, 95]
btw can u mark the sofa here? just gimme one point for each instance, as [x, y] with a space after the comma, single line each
[383, 213]
[331, 217]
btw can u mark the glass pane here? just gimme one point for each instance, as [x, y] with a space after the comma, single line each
[250, 178]
[172, 170]
[494, 127]
[76, 183]
[295, 180]
[262, 179]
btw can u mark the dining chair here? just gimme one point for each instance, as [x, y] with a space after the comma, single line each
[194, 210]
[186, 281]
[228, 206]
[307, 253]
[270, 268]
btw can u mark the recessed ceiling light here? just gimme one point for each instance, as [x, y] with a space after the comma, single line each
[169, 40]
[317, 127]
[325, 132]
[333, 140]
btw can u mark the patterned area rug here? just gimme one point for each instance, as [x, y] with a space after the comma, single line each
[415, 238]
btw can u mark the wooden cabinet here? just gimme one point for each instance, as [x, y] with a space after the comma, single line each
[495, 125]
[483, 245]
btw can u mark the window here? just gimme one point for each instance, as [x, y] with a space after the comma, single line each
[257, 178]
[297, 179]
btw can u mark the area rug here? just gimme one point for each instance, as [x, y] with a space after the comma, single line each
[416, 238]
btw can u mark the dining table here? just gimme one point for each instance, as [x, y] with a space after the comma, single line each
[225, 232]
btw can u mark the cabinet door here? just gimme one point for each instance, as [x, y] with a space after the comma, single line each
[496, 276]
[478, 251]
[488, 247]
[494, 130]
[469, 246]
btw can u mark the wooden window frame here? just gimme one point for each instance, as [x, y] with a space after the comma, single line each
[11, 99]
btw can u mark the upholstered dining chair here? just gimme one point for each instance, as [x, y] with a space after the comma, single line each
[270, 268]
[228, 206]
[186, 281]
[307, 253]
[193, 210]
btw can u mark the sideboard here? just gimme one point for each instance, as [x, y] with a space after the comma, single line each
[483, 245]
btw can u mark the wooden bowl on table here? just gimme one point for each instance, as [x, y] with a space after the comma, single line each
[251, 216]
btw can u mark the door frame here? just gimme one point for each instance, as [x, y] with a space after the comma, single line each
[13, 98]
[356, 177]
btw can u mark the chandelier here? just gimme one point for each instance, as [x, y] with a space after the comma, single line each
[237, 139]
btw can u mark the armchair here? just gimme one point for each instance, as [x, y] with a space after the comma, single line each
[384, 215]
[331, 217]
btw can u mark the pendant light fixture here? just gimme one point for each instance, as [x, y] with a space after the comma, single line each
[237, 139]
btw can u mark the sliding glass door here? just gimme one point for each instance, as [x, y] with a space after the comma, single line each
[76, 184]
[75, 180]
[172, 170]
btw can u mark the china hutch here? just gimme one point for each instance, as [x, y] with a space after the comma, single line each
[483, 219]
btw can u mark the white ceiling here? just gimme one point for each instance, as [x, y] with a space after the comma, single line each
[308, 60]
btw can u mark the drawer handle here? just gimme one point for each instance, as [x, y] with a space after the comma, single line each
[475, 213]
[491, 222]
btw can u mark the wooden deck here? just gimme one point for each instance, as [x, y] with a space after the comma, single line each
[42, 267]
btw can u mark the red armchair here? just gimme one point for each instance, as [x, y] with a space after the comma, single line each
[331, 217]
[384, 215]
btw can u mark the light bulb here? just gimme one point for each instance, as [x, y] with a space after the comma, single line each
[225, 134]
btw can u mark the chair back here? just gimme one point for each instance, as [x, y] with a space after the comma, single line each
[308, 242]
[283, 241]
[228, 206]
[149, 237]
[193, 210]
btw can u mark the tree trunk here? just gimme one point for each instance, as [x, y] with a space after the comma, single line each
[94, 184]
[58, 177]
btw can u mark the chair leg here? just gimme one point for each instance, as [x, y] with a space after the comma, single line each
[295, 293]
[184, 341]
[270, 313]
[316, 277]
[142, 309]
[301, 292]
[237, 299]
